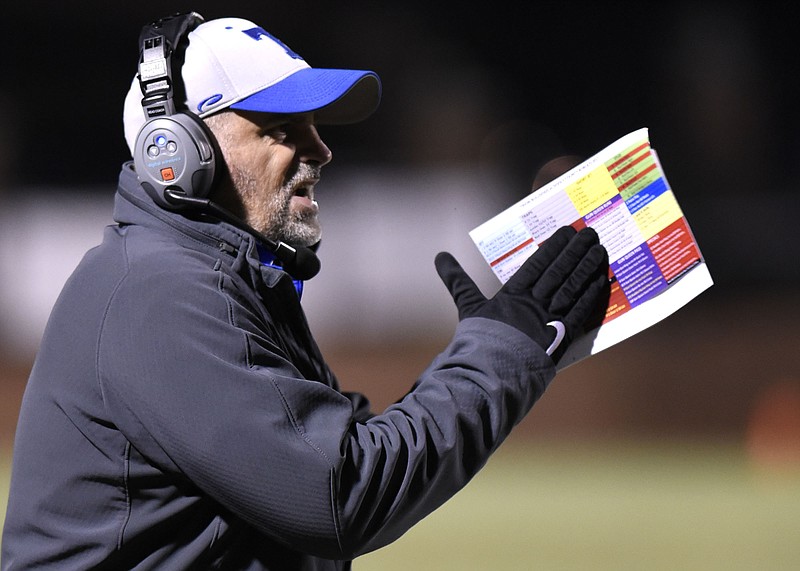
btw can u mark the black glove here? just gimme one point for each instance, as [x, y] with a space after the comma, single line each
[557, 292]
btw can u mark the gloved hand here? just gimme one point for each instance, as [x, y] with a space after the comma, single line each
[556, 292]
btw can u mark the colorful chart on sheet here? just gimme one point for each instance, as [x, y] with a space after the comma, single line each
[623, 194]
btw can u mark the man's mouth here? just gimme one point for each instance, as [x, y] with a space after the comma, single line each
[303, 196]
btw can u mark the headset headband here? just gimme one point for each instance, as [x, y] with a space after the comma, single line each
[163, 43]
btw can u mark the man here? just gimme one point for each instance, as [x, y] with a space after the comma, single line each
[179, 414]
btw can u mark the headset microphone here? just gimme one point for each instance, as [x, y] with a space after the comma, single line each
[301, 263]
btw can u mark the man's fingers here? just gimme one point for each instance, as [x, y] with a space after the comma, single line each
[465, 293]
[565, 264]
[534, 267]
[593, 264]
[589, 309]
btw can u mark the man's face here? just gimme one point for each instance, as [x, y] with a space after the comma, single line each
[274, 162]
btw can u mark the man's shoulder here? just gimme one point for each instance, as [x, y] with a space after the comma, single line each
[148, 269]
[159, 253]
[143, 268]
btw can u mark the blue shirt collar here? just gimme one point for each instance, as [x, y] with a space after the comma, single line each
[268, 259]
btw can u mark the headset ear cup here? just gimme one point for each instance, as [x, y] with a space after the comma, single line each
[176, 152]
[219, 165]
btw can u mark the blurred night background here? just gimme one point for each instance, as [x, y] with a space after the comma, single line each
[476, 98]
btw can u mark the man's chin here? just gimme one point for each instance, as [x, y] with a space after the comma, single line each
[302, 235]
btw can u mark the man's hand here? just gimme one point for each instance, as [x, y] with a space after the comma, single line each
[564, 283]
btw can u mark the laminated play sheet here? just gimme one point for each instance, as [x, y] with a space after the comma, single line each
[655, 263]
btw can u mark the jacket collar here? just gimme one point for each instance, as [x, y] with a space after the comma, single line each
[132, 205]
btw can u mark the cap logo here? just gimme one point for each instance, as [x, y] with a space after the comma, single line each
[258, 32]
[208, 102]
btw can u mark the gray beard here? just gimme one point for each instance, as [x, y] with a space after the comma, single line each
[273, 216]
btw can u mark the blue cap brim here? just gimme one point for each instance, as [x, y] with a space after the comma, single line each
[337, 96]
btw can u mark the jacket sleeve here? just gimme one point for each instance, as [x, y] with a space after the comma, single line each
[200, 388]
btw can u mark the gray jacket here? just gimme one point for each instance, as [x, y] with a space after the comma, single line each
[179, 415]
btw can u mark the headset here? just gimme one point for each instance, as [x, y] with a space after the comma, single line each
[176, 156]
[174, 151]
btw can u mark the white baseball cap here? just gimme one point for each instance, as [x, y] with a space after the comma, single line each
[231, 62]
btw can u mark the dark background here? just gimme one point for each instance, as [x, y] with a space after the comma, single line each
[509, 85]
[513, 84]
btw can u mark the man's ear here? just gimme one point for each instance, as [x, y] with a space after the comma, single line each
[223, 193]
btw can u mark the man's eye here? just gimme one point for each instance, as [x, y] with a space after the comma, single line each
[277, 132]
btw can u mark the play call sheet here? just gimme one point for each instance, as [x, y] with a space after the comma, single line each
[655, 263]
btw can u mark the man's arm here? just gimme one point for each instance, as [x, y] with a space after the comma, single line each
[208, 396]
